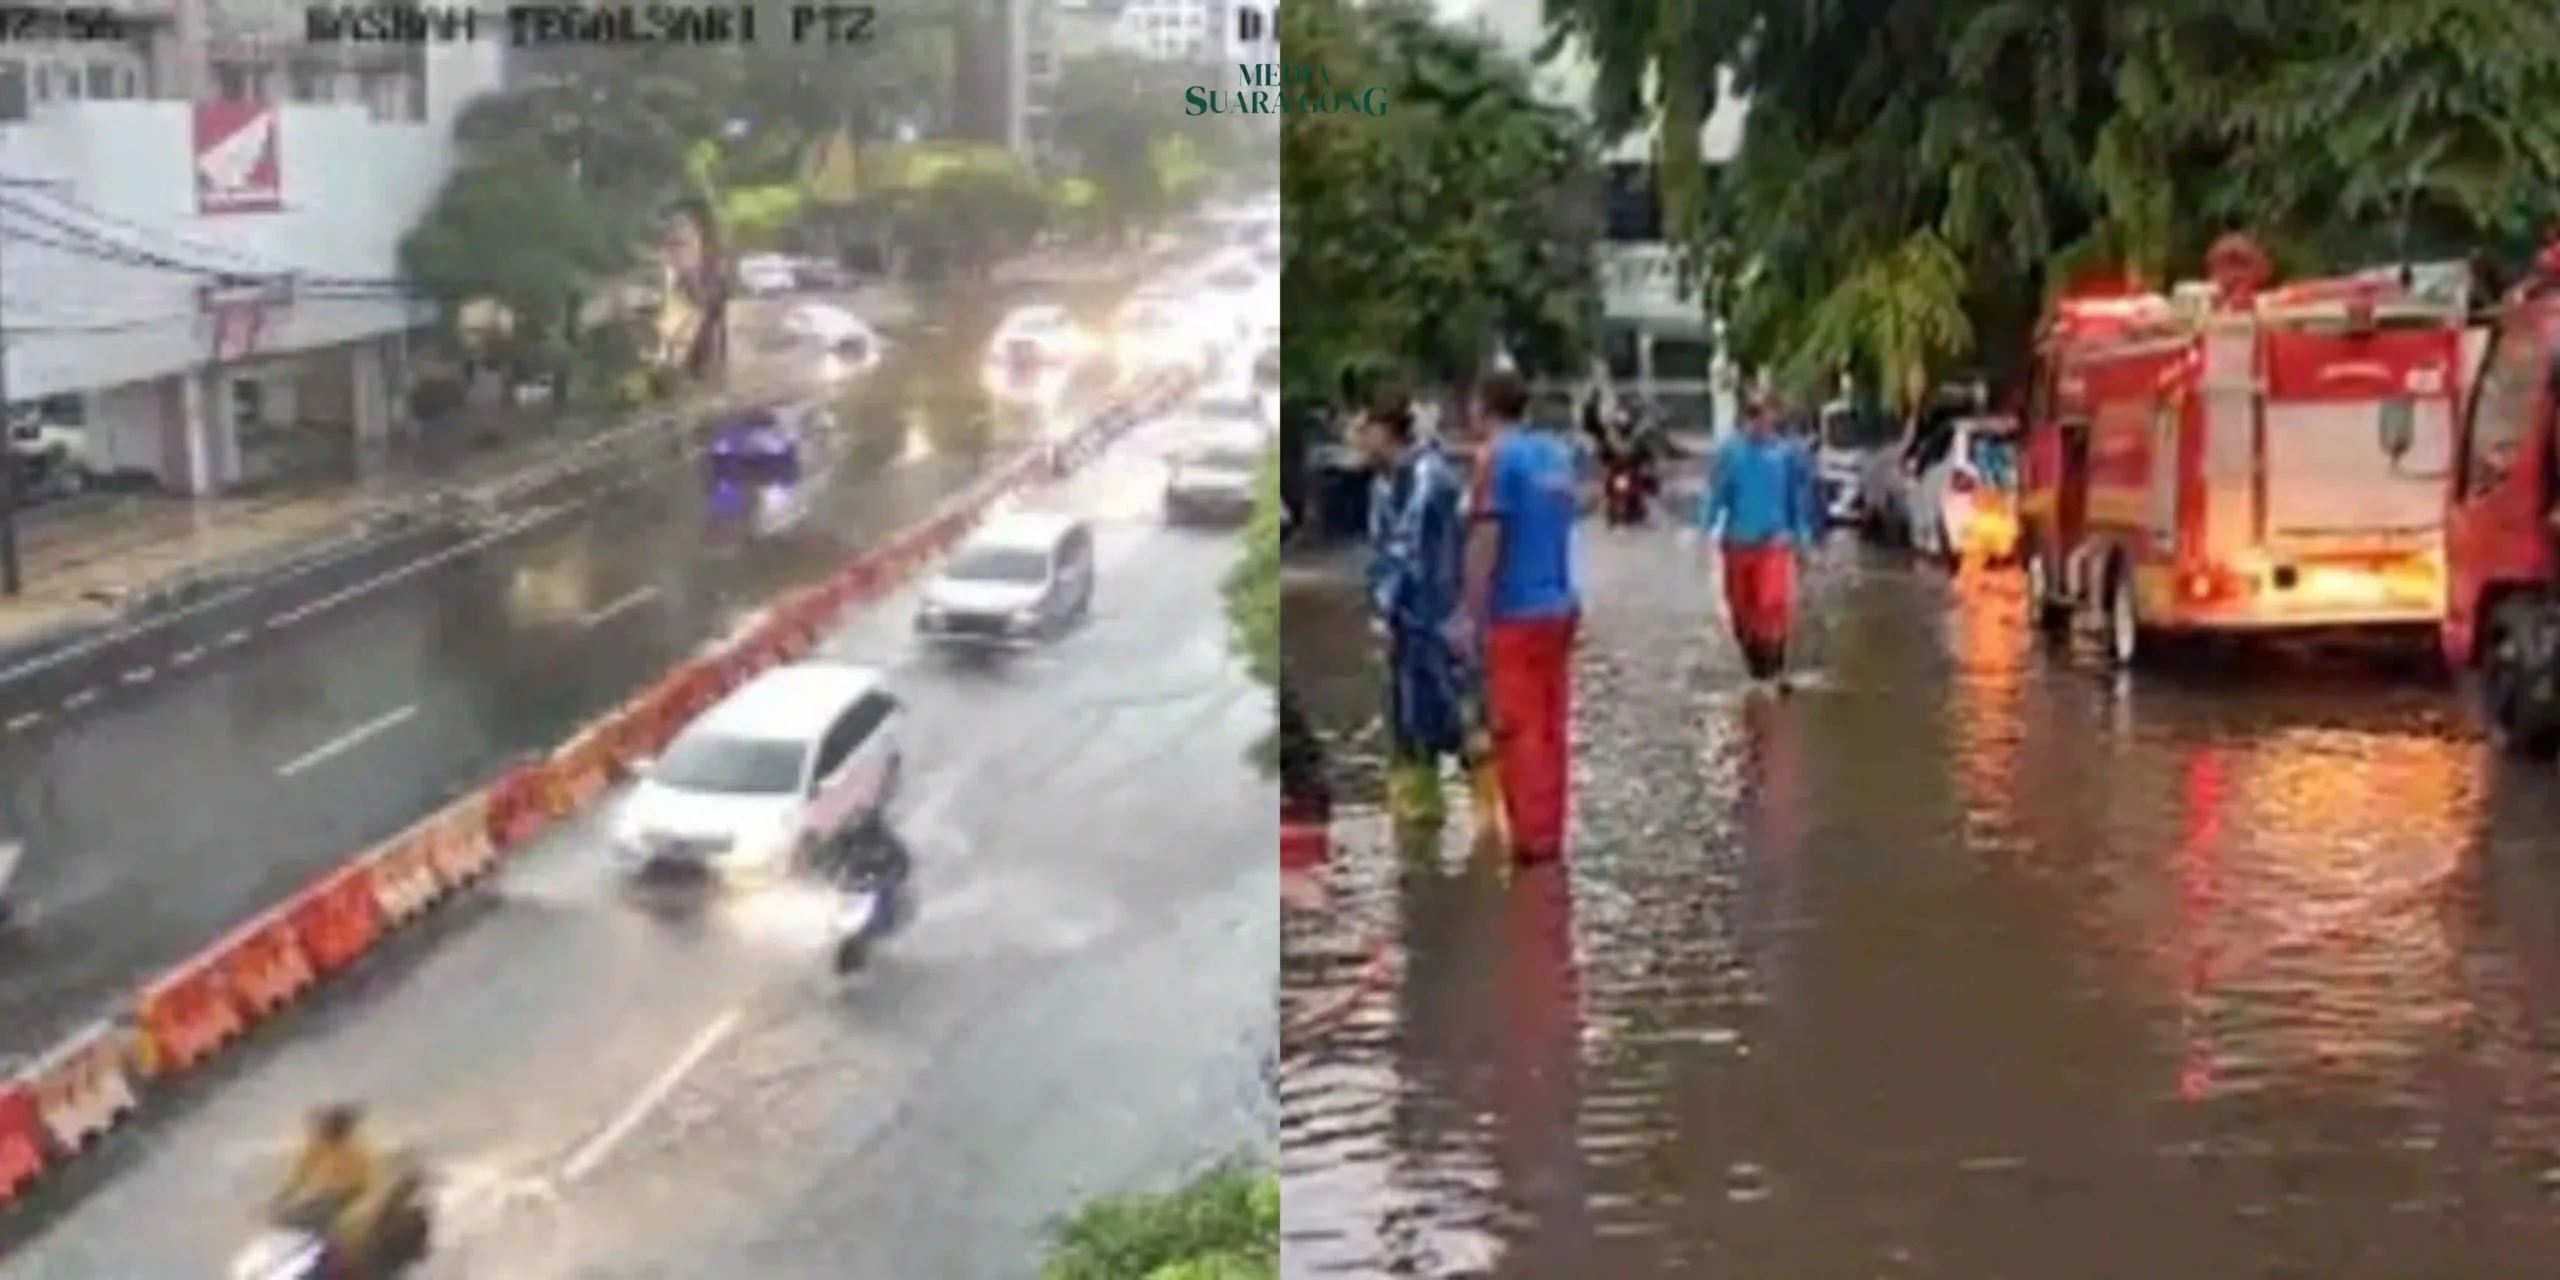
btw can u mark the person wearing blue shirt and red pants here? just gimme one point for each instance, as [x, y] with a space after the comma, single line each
[1764, 506]
[1522, 602]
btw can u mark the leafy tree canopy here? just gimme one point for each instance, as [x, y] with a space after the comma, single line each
[1462, 216]
[510, 227]
[1120, 120]
[1919, 176]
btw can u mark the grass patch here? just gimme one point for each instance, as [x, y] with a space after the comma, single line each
[1222, 1225]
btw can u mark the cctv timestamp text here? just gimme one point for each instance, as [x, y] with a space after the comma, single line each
[63, 24]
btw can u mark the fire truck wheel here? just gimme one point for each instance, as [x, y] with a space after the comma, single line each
[2127, 638]
[2519, 642]
[2044, 604]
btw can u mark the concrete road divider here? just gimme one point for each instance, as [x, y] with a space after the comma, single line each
[84, 1088]
[338, 919]
[186, 1016]
[403, 875]
[91, 1083]
[263, 964]
[462, 841]
[582, 770]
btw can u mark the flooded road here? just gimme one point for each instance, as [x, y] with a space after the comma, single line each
[1969, 960]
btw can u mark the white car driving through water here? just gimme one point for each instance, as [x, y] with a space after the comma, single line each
[797, 756]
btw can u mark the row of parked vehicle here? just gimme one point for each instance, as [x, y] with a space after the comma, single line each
[2238, 458]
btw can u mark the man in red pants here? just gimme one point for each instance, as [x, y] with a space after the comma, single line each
[1762, 506]
[1520, 596]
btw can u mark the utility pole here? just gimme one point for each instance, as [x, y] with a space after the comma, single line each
[11, 579]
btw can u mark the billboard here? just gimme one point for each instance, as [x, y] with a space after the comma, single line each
[238, 157]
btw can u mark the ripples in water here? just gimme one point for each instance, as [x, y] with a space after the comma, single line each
[1967, 961]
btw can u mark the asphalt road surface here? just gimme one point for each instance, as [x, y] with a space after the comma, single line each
[166, 810]
[1970, 959]
[615, 1086]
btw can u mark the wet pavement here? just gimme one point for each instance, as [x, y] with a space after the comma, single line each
[1967, 960]
[615, 1089]
[156, 813]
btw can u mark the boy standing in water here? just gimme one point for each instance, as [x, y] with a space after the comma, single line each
[1764, 509]
[1522, 600]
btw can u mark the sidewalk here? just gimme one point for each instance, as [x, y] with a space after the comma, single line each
[86, 565]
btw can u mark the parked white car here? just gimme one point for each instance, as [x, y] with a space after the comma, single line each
[1958, 463]
[799, 755]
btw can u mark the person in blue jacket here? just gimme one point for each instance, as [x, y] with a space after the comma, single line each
[1417, 543]
[1763, 508]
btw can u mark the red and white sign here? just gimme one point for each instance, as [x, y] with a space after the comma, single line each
[239, 159]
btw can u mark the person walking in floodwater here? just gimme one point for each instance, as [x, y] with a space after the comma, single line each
[1416, 555]
[1522, 601]
[1765, 512]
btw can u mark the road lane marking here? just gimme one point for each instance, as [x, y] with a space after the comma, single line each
[619, 607]
[345, 740]
[230, 638]
[80, 699]
[24, 719]
[592, 1154]
[137, 675]
[186, 657]
[402, 573]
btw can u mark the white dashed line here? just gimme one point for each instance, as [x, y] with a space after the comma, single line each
[231, 638]
[24, 720]
[136, 675]
[345, 740]
[619, 607]
[80, 699]
[186, 657]
[592, 1154]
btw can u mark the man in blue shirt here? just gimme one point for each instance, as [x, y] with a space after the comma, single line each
[1416, 552]
[1764, 505]
[1521, 596]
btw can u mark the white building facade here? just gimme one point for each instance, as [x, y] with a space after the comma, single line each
[1660, 343]
[197, 265]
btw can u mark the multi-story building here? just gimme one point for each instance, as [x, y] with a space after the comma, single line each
[1660, 343]
[1175, 30]
[199, 231]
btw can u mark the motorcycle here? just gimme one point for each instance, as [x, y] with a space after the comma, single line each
[295, 1244]
[1627, 491]
[878, 900]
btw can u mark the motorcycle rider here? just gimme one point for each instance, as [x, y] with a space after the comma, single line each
[337, 1188]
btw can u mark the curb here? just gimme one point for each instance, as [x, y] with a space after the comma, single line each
[146, 1056]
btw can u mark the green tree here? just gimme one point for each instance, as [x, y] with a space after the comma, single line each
[1253, 586]
[511, 229]
[1462, 216]
[1224, 1225]
[2035, 145]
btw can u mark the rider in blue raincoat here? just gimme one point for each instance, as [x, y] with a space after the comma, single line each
[1417, 547]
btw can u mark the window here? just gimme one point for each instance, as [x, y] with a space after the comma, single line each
[104, 82]
[16, 93]
[855, 729]
[248, 405]
[1633, 210]
[232, 83]
[730, 766]
[68, 83]
[1682, 359]
[1623, 346]
[2502, 414]
[1000, 564]
[309, 85]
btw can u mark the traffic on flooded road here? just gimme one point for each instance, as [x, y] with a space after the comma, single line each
[579, 1057]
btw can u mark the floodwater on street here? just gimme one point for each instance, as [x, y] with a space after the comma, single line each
[1967, 960]
[274, 757]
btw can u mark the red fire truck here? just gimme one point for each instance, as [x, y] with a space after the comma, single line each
[2234, 458]
[2502, 602]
